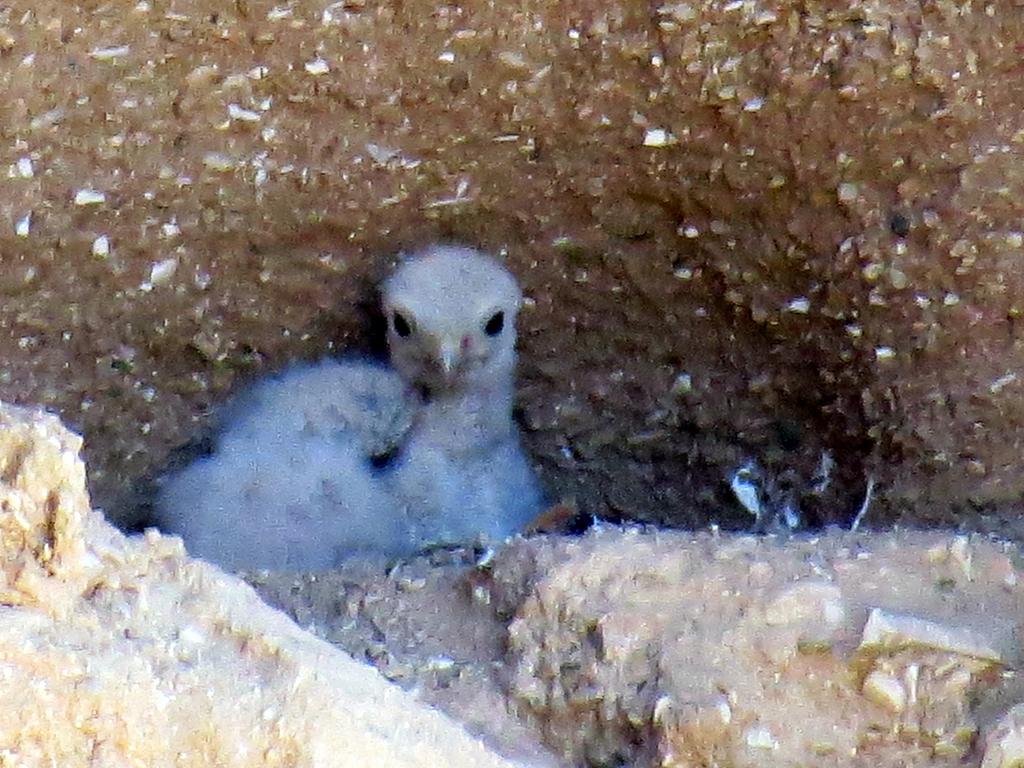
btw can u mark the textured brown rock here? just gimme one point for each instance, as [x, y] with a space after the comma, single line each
[675, 650]
[894, 649]
[807, 214]
[44, 512]
[117, 652]
[427, 625]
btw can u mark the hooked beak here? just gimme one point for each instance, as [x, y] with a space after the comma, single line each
[448, 355]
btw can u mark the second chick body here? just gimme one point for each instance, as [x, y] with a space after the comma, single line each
[291, 484]
[349, 456]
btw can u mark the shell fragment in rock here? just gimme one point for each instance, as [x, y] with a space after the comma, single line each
[886, 631]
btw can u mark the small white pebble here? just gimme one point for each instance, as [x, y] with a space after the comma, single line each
[328, 17]
[872, 271]
[235, 112]
[513, 60]
[744, 486]
[447, 57]
[885, 690]
[113, 52]
[662, 707]
[170, 229]
[218, 162]
[999, 384]
[23, 225]
[678, 11]
[317, 66]
[761, 738]
[1015, 239]
[847, 192]
[683, 384]
[884, 353]
[162, 271]
[25, 169]
[440, 663]
[690, 232]
[951, 299]
[89, 197]
[753, 105]
[658, 137]
[279, 12]
[101, 246]
[800, 305]
[854, 330]
[381, 155]
[724, 710]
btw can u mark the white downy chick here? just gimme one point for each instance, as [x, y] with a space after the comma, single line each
[297, 480]
[291, 483]
[462, 472]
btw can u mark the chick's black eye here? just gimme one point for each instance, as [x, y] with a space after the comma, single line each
[401, 325]
[495, 324]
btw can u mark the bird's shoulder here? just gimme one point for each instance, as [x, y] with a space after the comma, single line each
[355, 398]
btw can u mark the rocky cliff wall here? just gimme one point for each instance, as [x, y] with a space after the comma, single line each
[771, 231]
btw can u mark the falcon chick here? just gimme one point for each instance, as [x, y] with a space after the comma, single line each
[350, 456]
[451, 331]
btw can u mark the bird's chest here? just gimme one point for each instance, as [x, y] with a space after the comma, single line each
[464, 430]
[438, 482]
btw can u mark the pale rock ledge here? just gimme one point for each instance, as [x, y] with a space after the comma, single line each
[121, 652]
[677, 650]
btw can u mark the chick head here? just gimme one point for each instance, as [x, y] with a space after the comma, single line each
[451, 316]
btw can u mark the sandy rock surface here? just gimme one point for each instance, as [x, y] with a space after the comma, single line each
[772, 231]
[845, 650]
[621, 647]
[118, 652]
[645, 649]
[427, 625]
